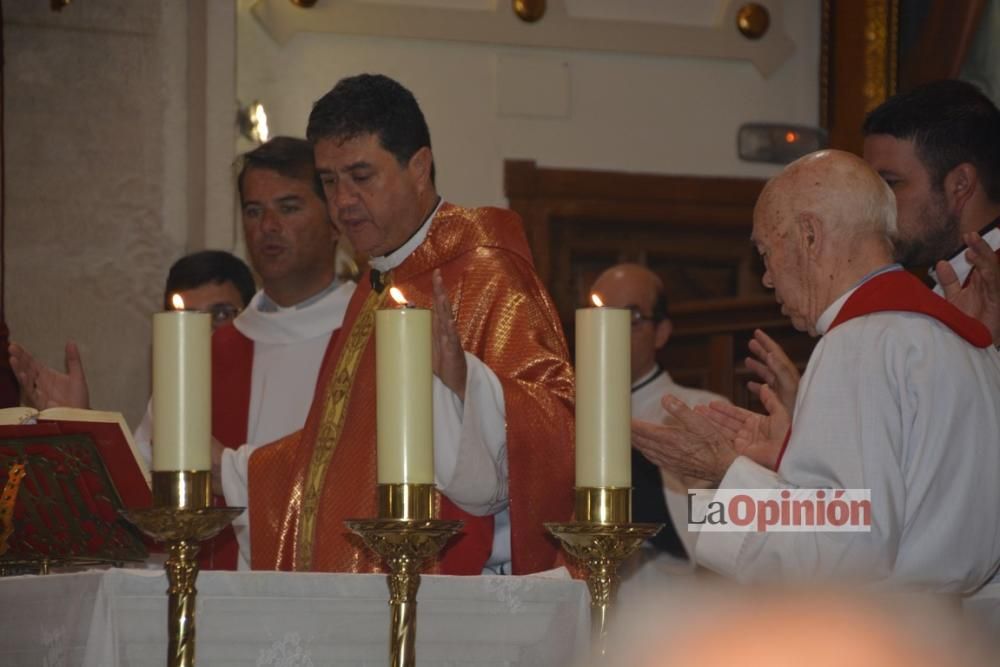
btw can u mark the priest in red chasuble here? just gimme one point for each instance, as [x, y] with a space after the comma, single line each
[503, 385]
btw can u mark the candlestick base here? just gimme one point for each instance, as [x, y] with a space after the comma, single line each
[602, 538]
[600, 549]
[404, 545]
[182, 530]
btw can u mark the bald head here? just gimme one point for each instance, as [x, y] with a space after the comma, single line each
[638, 289]
[821, 224]
[839, 188]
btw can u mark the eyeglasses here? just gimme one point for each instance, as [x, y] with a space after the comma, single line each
[221, 313]
[638, 318]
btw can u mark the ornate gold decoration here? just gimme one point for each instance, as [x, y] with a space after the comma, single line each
[753, 20]
[529, 11]
[182, 489]
[604, 504]
[67, 507]
[404, 545]
[881, 30]
[406, 501]
[182, 530]
[600, 540]
[334, 412]
[7, 500]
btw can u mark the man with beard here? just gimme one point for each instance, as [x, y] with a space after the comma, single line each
[901, 397]
[938, 148]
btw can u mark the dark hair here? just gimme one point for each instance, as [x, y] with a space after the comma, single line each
[949, 122]
[288, 156]
[209, 266]
[371, 104]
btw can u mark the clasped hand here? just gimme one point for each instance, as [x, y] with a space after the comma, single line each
[698, 445]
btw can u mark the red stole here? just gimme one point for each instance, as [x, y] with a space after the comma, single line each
[232, 367]
[900, 291]
[486, 266]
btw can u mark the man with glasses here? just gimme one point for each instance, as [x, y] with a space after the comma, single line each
[211, 281]
[640, 290]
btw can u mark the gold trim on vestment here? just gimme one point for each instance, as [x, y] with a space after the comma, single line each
[332, 424]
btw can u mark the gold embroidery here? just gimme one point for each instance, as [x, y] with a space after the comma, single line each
[881, 28]
[332, 424]
[7, 500]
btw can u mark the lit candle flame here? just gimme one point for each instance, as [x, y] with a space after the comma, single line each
[177, 302]
[397, 296]
[597, 300]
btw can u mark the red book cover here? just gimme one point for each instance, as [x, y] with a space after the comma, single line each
[78, 474]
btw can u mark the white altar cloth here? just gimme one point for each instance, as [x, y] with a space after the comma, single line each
[117, 618]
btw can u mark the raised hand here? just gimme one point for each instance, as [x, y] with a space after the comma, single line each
[691, 447]
[45, 387]
[980, 297]
[447, 355]
[756, 436]
[770, 363]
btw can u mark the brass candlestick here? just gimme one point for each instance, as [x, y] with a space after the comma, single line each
[182, 517]
[405, 535]
[601, 538]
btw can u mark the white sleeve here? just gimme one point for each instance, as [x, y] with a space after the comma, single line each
[470, 441]
[234, 486]
[845, 435]
[143, 436]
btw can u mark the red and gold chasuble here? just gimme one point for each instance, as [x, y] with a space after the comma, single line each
[303, 487]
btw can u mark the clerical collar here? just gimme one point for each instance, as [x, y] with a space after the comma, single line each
[647, 378]
[830, 314]
[399, 255]
[266, 305]
[990, 234]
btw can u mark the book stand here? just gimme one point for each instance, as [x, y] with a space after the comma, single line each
[59, 507]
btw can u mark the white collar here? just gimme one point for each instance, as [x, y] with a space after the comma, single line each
[654, 372]
[961, 265]
[399, 255]
[290, 325]
[831, 312]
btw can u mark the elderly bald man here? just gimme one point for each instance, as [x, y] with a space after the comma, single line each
[638, 289]
[901, 396]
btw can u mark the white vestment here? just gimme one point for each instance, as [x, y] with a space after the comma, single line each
[897, 403]
[476, 428]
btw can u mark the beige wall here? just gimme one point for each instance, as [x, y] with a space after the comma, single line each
[97, 192]
[489, 102]
[119, 137]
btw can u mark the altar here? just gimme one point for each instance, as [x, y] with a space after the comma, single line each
[118, 618]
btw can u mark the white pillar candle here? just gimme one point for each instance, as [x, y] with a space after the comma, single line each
[603, 398]
[182, 391]
[403, 392]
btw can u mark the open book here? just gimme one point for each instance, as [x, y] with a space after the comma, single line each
[107, 429]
